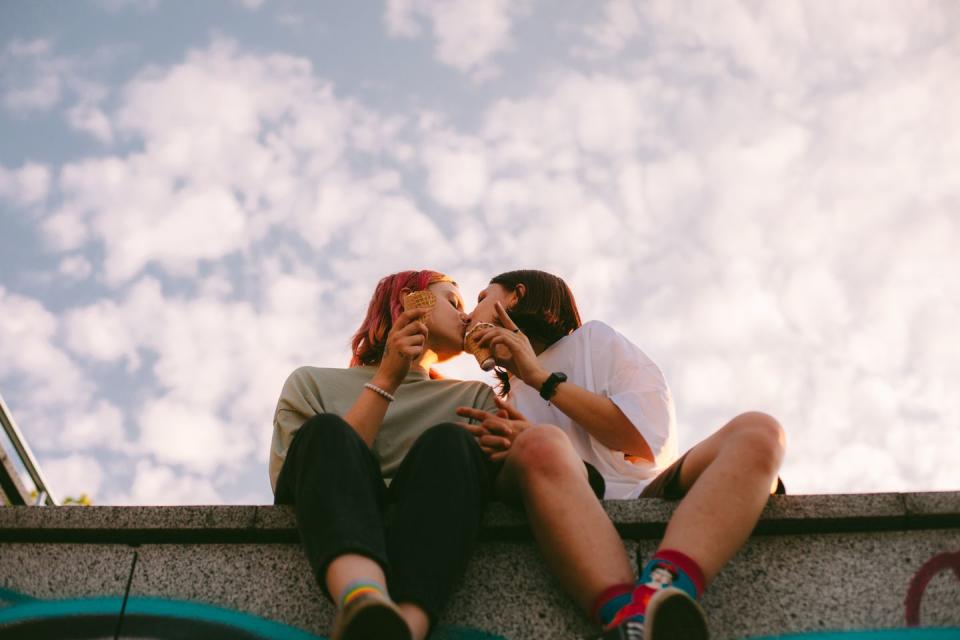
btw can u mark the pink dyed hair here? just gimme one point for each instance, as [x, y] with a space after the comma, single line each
[385, 305]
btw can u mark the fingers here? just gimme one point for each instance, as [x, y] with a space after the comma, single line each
[509, 409]
[411, 346]
[499, 456]
[504, 317]
[411, 322]
[475, 430]
[498, 428]
[409, 316]
[495, 337]
[470, 412]
[494, 442]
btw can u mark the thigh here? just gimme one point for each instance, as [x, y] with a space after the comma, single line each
[327, 451]
[674, 481]
[443, 458]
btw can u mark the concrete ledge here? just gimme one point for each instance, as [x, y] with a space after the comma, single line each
[635, 519]
[816, 562]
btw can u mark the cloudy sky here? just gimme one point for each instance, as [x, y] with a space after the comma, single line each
[195, 199]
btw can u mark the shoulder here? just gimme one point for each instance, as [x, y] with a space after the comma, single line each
[596, 331]
[603, 339]
[306, 376]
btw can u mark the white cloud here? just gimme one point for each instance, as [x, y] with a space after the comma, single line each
[100, 332]
[457, 168]
[29, 48]
[74, 475]
[468, 34]
[102, 427]
[163, 485]
[28, 185]
[29, 354]
[209, 184]
[770, 215]
[91, 119]
[33, 78]
[75, 268]
[177, 432]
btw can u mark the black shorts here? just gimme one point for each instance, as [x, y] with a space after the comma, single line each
[667, 483]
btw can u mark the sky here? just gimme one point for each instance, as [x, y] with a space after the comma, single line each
[198, 198]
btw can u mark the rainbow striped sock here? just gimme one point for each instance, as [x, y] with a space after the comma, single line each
[359, 588]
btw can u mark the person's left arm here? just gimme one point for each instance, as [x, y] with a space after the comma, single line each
[596, 413]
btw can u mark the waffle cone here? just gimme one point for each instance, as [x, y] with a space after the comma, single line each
[420, 300]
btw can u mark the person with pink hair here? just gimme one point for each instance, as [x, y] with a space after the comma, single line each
[387, 490]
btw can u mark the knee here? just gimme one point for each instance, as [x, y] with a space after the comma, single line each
[544, 452]
[759, 437]
[327, 430]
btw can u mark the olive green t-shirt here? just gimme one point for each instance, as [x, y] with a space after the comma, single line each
[420, 404]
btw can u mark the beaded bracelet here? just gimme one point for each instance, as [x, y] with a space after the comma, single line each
[379, 391]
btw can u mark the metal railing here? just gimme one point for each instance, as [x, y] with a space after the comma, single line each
[8, 475]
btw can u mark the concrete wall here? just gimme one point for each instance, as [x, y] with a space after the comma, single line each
[814, 562]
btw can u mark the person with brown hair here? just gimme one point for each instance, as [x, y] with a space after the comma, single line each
[342, 460]
[591, 417]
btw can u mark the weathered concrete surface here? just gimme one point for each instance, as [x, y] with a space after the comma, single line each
[815, 562]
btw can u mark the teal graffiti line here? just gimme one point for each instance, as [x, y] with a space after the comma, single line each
[9, 595]
[27, 608]
[952, 633]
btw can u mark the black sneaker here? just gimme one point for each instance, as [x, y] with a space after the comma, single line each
[671, 615]
[674, 615]
[370, 617]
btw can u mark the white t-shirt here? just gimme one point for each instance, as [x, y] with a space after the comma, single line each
[598, 359]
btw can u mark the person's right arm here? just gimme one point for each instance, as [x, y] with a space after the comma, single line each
[405, 345]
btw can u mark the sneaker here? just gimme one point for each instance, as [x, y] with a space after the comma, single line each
[674, 615]
[671, 615]
[370, 616]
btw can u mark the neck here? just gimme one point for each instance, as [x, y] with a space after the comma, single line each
[427, 360]
[538, 347]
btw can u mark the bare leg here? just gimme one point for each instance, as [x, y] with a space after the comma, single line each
[577, 539]
[349, 568]
[352, 567]
[728, 478]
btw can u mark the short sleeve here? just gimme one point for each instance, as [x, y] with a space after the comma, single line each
[299, 401]
[634, 383]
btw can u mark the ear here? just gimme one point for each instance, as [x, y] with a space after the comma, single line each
[518, 292]
[405, 292]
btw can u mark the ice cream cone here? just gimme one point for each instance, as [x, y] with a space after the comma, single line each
[420, 300]
[483, 355]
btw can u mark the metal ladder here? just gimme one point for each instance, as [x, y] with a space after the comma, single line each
[10, 484]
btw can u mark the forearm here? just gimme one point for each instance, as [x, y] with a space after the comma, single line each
[367, 413]
[601, 418]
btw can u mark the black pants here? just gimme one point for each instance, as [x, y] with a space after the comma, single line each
[421, 529]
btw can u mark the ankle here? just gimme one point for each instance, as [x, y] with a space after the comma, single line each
[416, 618]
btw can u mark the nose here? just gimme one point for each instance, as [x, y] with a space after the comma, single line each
[464, 317]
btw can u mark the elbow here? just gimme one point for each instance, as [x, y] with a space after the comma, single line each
[639, 448]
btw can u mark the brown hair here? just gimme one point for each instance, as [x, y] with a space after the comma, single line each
[547, 310]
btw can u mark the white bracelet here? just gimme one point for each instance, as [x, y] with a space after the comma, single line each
[380, 391]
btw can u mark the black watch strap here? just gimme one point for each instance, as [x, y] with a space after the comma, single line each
[549, 387]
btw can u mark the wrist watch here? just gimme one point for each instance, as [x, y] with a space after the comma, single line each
[549, 387]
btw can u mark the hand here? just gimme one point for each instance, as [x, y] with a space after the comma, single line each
[512, 350]
[497, 431]
[405, 344]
